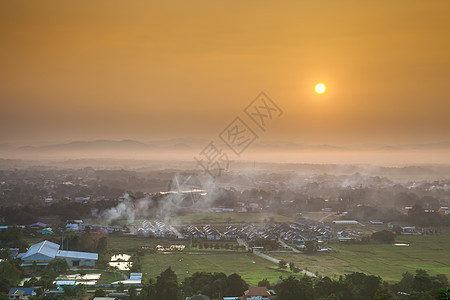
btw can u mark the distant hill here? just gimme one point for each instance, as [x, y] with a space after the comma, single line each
[193, 145]
[104, 145]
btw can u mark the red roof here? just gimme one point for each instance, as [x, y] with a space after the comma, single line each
[256, 291]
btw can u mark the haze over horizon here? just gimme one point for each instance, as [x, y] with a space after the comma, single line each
[82, 70]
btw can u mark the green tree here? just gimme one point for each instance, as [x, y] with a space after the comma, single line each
[102, 245]
[324, 287]
[59, 266]
[74, 291]
[99, 293]
[167, 287]
[265, 282]
[10, 272]
[236, 286]
[5, 285]
[422, 281]
[291, 266]
[406, 283]
[311, 247]
[120, 287]
[384, 236]
[148, 291]
[282, 264]
[290, 289]
[365, 285]
[132, 293]
[444, 294]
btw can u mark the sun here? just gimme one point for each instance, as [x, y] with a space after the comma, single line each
[320, 88]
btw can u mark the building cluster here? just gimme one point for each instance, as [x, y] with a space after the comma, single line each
[208, 232]
[73, 226]
[153, 229]
[298, 232]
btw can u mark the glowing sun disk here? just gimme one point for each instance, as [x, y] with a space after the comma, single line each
[320, 88]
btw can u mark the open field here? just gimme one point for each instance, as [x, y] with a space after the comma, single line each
[388, 261]
[429, 252]
[249, 266]
[208, 218]
[317, 215]
[229, 217]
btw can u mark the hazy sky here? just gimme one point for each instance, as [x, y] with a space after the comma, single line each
[83, 70]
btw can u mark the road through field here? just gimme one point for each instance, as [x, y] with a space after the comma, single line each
[270, 258]
[323, 218]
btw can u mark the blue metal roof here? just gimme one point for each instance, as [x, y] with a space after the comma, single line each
[46, 248]
[27, 291]
[48, 251]
[39, 224]
[76, 255]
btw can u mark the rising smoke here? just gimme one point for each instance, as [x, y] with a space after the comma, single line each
[189, 191]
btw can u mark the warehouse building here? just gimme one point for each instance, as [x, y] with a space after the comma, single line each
[42, 253]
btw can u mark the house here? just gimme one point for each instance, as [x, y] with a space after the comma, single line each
[257, 293]
[47, 230]
[72, 227]
[444, 210]
[376, 222]
[21, 293]
[11, 251]
[230, 234]
[82, 199]
[38, 225]
[194, 232]
[345, 222]
[408, 230]
[211, 233]
[253, 207]
[48, 200]
[221, 209]
[135, 280]
[343, 235]
[115, 229]
[42, 253]
[60, 284]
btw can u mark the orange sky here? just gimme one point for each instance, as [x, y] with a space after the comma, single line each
[108, 69]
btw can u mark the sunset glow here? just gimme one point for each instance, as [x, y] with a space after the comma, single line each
[320, 88]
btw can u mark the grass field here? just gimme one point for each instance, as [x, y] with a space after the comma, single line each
[252, 268]
[232, 217]
[431, 253]
[210, 218]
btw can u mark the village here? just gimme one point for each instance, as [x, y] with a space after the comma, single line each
[261, 239]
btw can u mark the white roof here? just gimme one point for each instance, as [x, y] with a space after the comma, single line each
[128, 282]
[345, 222]
[76, 254]
[65, 282]
[135, 276]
